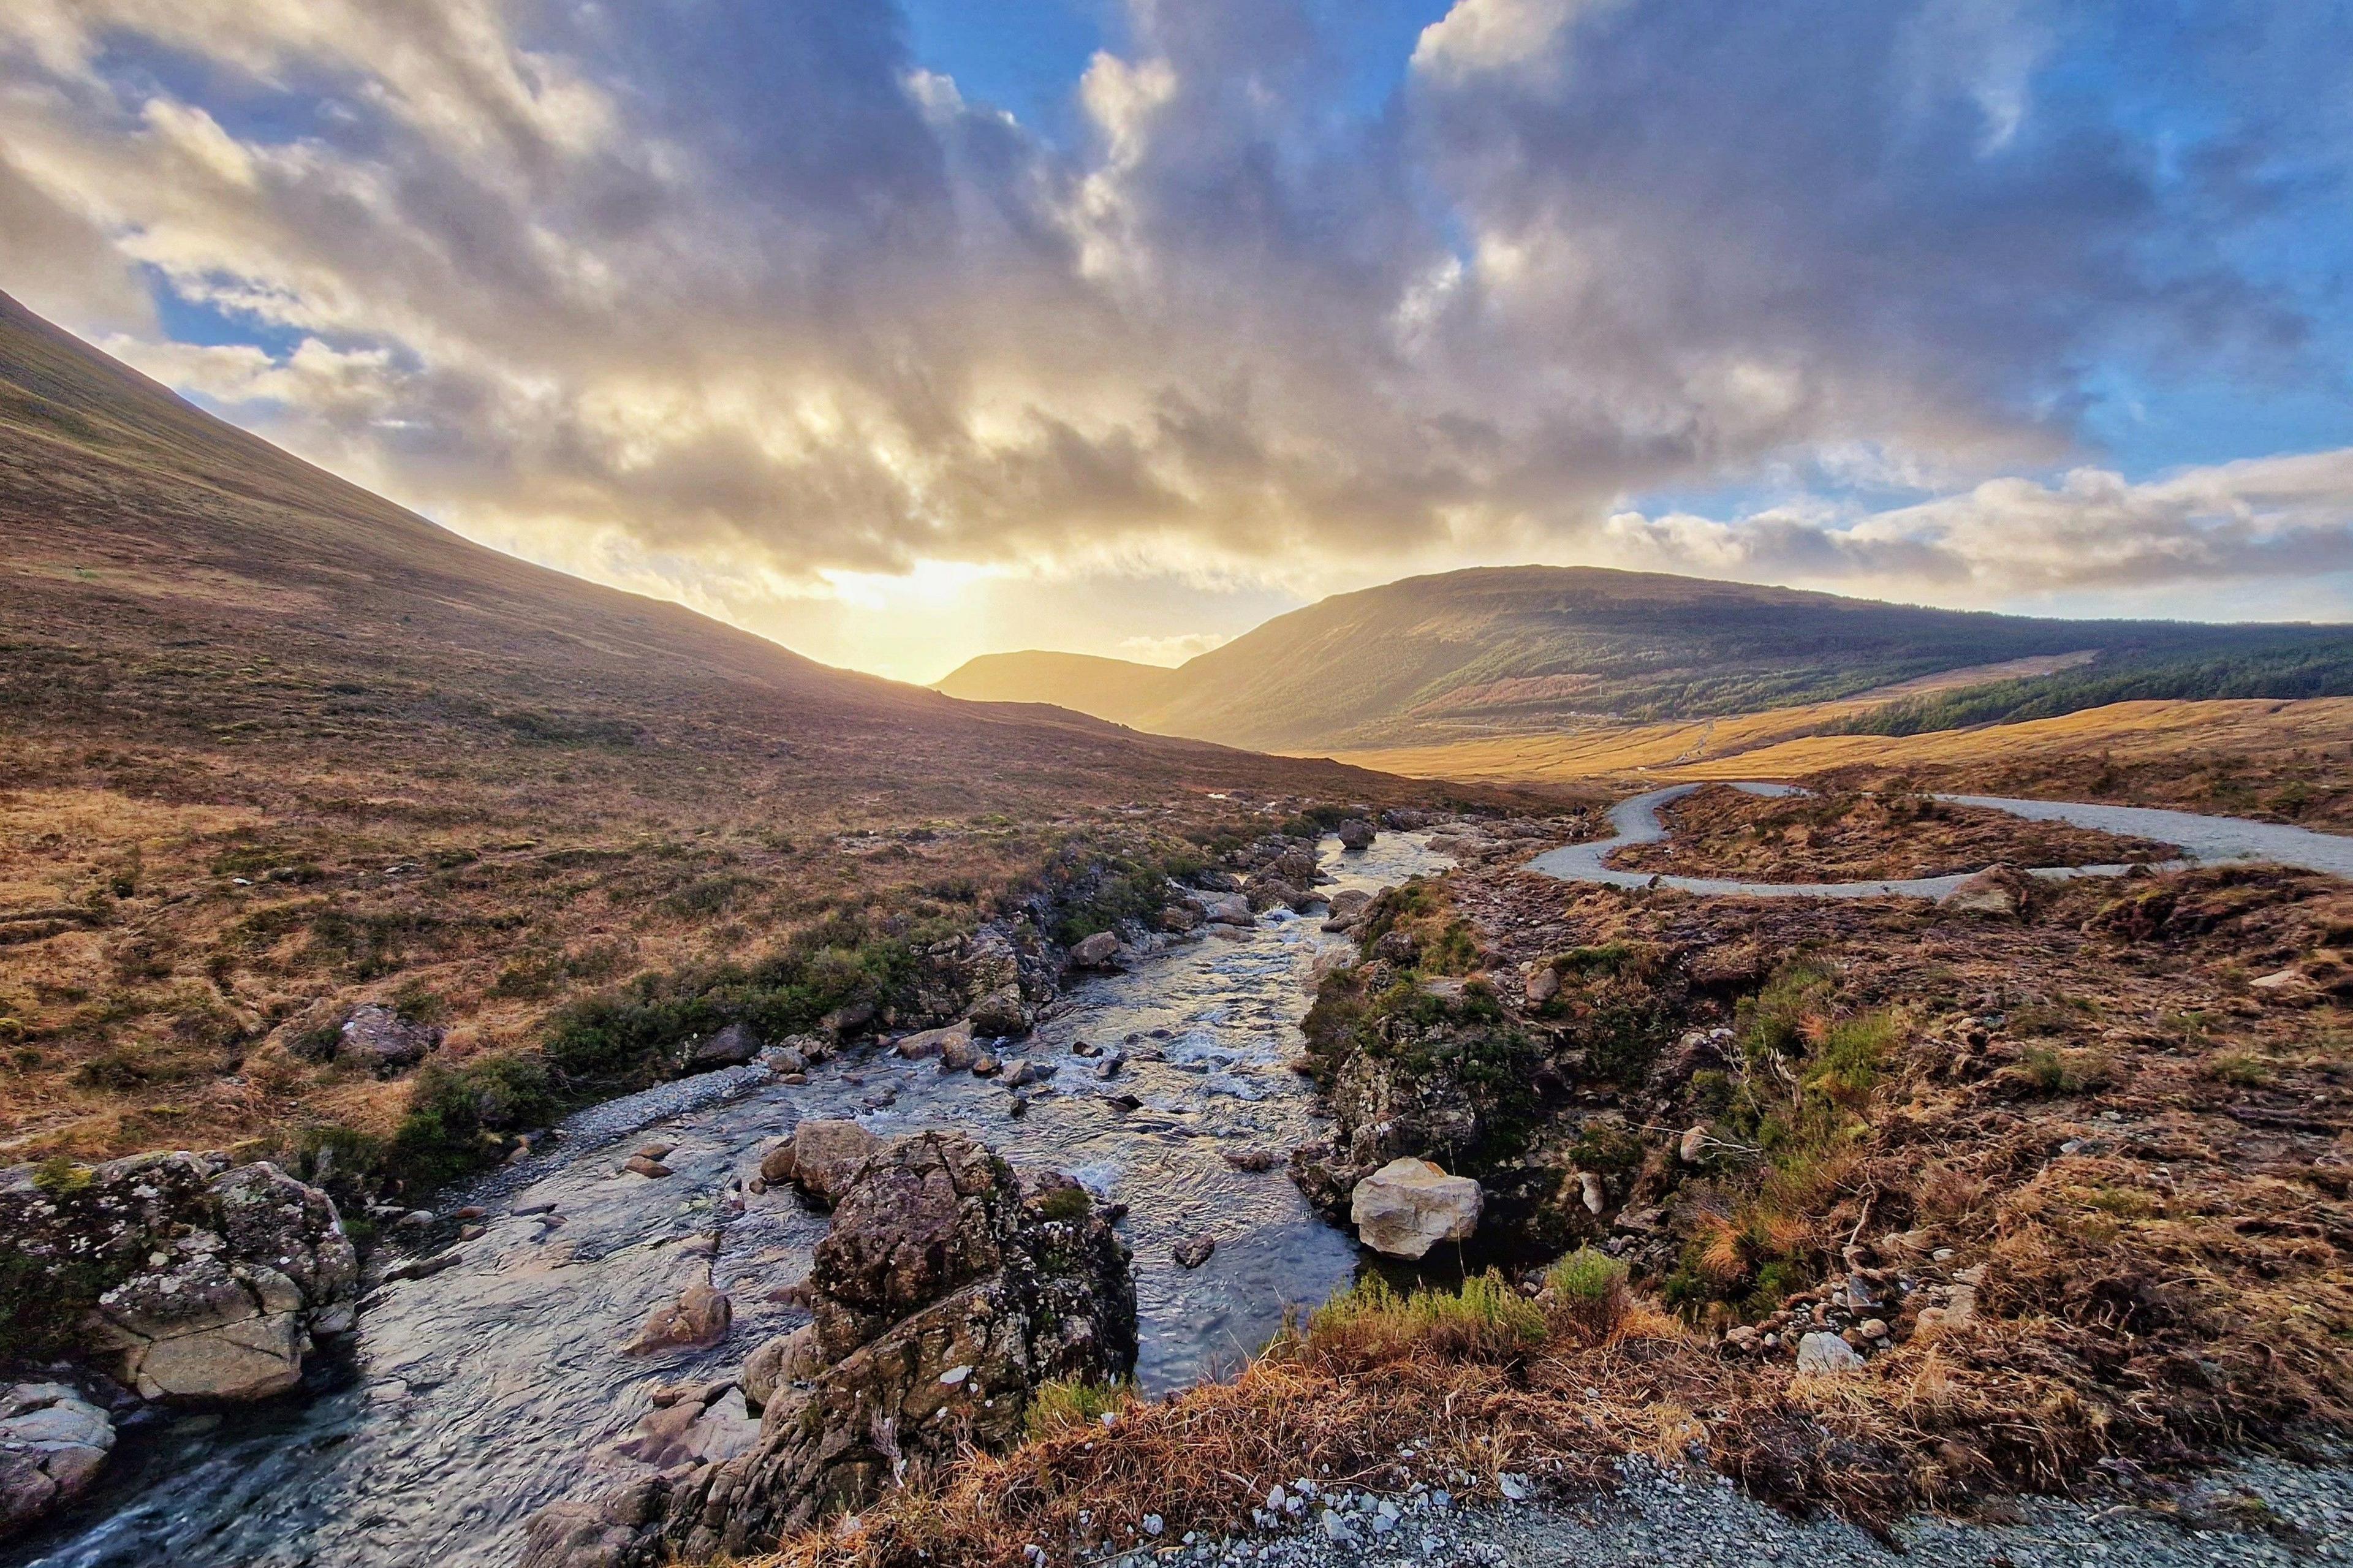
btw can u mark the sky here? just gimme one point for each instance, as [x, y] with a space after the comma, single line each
[903, 333]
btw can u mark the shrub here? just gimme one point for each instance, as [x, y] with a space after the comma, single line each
[457, 1116]
[1065, 1402]
[1486, 1320]
[1588, 1291]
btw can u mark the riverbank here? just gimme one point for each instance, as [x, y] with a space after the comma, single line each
[1920, 1207]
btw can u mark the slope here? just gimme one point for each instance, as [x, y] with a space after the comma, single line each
[1516, 650]
[1110, 688]
[270, 746]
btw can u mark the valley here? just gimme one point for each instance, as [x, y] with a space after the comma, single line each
[444, 1000]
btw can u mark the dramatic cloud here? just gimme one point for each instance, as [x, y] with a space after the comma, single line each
[749, 305]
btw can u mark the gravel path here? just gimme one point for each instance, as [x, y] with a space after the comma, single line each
[2201, 838]
[2255, 1511]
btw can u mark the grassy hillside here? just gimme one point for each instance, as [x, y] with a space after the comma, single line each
[1517, 651]
[270, 746]
[1110, 688]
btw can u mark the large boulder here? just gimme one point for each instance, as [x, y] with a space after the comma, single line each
[947, 1292]
[1355, 834]
[190, 1277]
[731, 1046]
[820, 1159]
[381, 1041]
[1233, 910]
[1099, 950]
[53, 1443]
[1409, 1205]
[698, 1319]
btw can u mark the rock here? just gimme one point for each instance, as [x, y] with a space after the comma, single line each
[935, 1042]
[1232, 910]
[1409, 1205]
[1181, 917]
[1694, 1147]
[643, 1166]
[827, 1153]
[787, 1358]
[986, 1066]
[785, 1060]
[1349, 904]
[656, 1150]
[1001, 1014]
[1355, 834]
[731, 1046]
[377, 1038]
[1590, 1188]
[1255, 1158]
[1543, 984]
[1194, 1250]
[947, 1290]
[1099, 950]
[844, 1022]
[53, 1442]
[692, 1431]
[1108, 1067]
[1823, 1354]
[958, 1055]
[698, 1319]
[1397, 947]
[1274, 893]
[1998, 893]
[188, 1277]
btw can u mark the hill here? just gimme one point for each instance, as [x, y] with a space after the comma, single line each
[1516, 650]
[270, 746]
[1111, 688]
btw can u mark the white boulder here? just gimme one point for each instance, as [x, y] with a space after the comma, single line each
[1409, 1205]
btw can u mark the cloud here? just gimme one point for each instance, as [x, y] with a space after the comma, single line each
[2274, 517]
[743, 302]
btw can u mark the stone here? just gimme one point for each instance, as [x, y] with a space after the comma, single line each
[935, 1042]
[1409, 1205]
[640, 1165]
[1543, 984]
[1823, 1354]
[1998, 893]
[1001, 1014]
[1590, 1188]
[1694, 1147]
[1254, 1158]
[784, 1359]
[1274, 893]
[731, 1046]
[1348, 905]
[221, 1274]
[949, 1290]
[1230, 910]
[1194, 1250]
[1397, 947]
[825, 1155]
[1099, 950]
[53, 1443]
[656, 1150]
[1355, 834]
[698, 1319]
[378, 1038]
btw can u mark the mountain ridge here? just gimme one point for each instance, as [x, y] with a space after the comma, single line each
[1500, 650]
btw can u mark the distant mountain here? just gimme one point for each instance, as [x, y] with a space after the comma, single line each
[1508, 651]
[1107, 688]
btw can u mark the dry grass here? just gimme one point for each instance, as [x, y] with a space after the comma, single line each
[270, 746]
[1843, 835]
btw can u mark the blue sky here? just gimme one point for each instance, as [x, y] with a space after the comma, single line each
[906, 333]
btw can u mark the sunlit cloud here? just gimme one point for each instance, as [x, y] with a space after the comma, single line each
[753, 309]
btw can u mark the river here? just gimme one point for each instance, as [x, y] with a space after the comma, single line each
[475, 1396]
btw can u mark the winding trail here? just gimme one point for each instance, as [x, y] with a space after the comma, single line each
[2202, 839]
